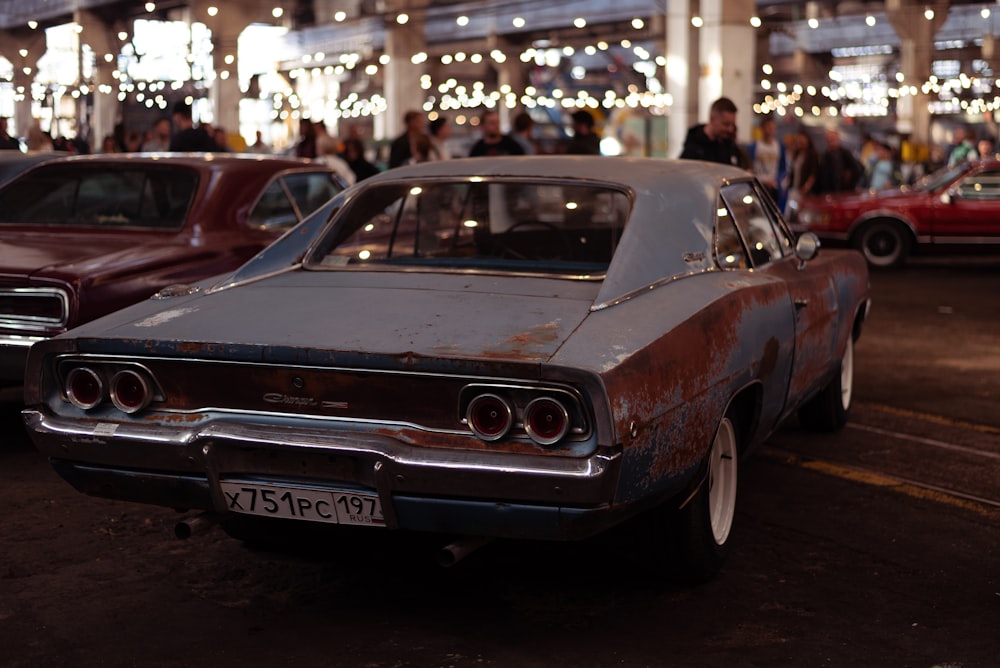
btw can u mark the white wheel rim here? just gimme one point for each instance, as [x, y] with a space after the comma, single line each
[723, 464]
[847, 376]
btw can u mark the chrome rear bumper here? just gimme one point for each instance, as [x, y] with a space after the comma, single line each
[420, 488]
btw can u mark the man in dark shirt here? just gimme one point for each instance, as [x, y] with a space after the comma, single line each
[493, 141]
[584, 141]
[189, 138]
[404, 148]
[715, 141]
[839, 170]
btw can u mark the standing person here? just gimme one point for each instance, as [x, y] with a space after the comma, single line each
[38, 139]
[839, 170]
[354, 156]
[524, 124]
[584, 141]
[802, 174]
[404, 148]
[259, 146]
[188, 137]
[768, 159]
[965, 148]
[328, 152]
[986, 148]
[714, 141]
[159, 136]
[493, 142]
[305, 147]
[326, 144]
[7, 143]
[883, 171]
[440, 132]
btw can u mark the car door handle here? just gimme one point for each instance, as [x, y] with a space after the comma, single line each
[801, 303]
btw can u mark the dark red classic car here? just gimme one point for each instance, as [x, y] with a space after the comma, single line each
[956, 207]
[85, 236]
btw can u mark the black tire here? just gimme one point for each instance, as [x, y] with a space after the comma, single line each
[828, 410]
[700, 531]
[884, 243]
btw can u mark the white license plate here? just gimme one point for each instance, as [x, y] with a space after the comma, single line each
[303, 503]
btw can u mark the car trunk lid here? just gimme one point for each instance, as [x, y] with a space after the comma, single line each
[331, 316]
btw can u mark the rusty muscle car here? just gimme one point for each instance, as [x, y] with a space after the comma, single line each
[529, 347]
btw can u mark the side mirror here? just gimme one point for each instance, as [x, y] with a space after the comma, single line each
[950, 195]
[806, 247]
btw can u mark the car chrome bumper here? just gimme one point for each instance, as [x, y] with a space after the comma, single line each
[422, 489]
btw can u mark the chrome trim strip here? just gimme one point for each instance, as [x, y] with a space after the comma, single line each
[133, 359]
[958, 241]
[651, 286]
[20, 341]
[349, 443]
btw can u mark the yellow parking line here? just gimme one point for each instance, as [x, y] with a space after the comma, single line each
[937, 419]
[982, 507]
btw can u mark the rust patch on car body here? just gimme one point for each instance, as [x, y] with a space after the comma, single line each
[672, 393]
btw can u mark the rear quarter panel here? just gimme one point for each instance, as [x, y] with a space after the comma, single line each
[672, 358]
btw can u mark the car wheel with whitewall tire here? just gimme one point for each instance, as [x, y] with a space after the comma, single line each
[699, 532]
[884, 243]
[828, 410]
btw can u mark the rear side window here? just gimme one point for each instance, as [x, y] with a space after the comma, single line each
[763, 240]
[290, 198]
[84, 195]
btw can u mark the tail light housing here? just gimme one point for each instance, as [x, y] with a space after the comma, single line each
[490, 417]
[84, 388]
[546, 420]
[91, 383]
[130, 391]
[547, 415]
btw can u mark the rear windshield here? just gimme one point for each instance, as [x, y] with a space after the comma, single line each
[96, 196]
[509, 225]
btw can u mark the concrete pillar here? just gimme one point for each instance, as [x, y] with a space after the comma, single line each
[916, 34]
[681, 74]
[227, 21]
[103, 38]
[509, 73]
[107, 107]
[402, 76]
[22, 47]
[727, 54]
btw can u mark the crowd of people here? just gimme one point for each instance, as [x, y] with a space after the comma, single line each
[790, 167]
[793, 168]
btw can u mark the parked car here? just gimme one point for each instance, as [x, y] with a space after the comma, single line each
[13, 163]
[533, 347]
[85, 236]
[956, 207]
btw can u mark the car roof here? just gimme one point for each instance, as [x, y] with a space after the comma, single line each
[612, 169]
[197, 160]
[674, 207]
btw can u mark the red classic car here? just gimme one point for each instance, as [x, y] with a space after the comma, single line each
[87, 235]
[955, 207]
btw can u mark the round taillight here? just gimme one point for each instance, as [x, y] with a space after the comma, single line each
[490, 417]
[84, 388]
[546, 420]
[130, 391]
